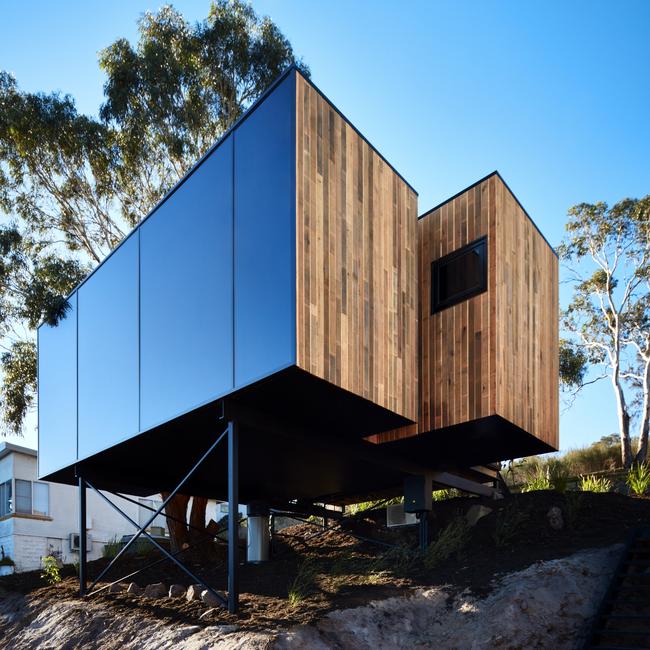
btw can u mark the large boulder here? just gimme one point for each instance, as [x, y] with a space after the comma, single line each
[155, 590]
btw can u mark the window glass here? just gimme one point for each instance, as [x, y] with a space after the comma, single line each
[5, 498]
[41, 499]
[459, 275]
[144, 513]
[24, 496]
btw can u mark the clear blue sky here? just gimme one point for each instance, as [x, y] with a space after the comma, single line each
[555, 95]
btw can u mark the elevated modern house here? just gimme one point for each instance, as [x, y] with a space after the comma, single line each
[286, 290]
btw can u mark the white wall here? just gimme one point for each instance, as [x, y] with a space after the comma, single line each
[28, 539]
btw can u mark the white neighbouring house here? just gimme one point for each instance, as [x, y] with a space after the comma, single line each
[38, 518]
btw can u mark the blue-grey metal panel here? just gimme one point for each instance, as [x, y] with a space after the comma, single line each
[57, 392]
[265, 237]
[186, 334]
[108, 351]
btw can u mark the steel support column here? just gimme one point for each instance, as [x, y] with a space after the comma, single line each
[233, 517]
[83, 573]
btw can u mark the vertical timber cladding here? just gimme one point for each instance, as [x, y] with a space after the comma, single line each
[497, 352]
[527, 391]
[356, 261]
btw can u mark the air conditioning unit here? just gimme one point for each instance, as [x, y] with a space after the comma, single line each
[395, 516]
[74, 542]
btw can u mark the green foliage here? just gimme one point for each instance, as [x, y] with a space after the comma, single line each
[559, 474]
[451, 540]
[540, 480]
[72, 185]
[638, 478]
[507, 524]
[399, 559]
[51, 572]
[591, 483]
[600, 456]
[303, 584]
[442, 495]
[5, 560]
[573, 364]
[112, 547]
[364, 506]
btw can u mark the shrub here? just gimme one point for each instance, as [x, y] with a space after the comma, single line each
[451, 539]
[540, 480]
[638, 478]
[51, 572]
[112, 547]
[442, 495]
[593, 483]
[399, 559]
[507, 523]
[558, 473]
[303, 583]
[5, 560]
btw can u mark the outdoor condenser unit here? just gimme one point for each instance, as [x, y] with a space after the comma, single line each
[73, 539]
[395, 516]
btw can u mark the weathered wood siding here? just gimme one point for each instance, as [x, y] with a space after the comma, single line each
[356, 281]
[495, 353]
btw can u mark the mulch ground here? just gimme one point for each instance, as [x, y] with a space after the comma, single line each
[333, 570]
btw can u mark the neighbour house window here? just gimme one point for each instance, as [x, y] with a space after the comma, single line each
[41, 493]
[23, 496]
[5, 498]
[32, 498]
[459, 275]
[144, 514]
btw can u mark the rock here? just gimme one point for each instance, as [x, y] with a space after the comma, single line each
[210, 599]
[226, 629]
[207, 614]
[155, 590]
[194, 592]
[134, 589]
[117, 588]
[555, 519]
[475, 513]
[176, 591]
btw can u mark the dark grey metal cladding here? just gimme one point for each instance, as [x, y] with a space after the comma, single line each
[198, 300]
[57, 392]
[108, 351]
[186, 310]
[265, 323]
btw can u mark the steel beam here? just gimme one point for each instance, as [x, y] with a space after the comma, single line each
[83, 572]
[233, 516]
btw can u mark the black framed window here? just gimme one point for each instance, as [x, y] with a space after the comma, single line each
[459, 275]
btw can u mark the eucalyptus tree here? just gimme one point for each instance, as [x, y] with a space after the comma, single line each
[607, 251]
[72, 185]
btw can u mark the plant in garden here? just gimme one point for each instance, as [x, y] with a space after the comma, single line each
[540, 480]
[303, 584]
[451, 539]
[51, 572]
[591, 483]
[558, 474]
[638, 478]
[507, 523]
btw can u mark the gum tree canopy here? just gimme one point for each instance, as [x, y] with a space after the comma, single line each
[72, 185]
[607, 250]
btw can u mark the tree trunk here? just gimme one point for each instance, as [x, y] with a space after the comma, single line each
[642, 451]
[177, 508]
[623, 421]
[197, 516]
